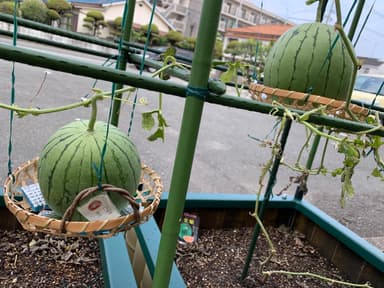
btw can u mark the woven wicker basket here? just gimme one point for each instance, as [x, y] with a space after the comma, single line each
[305, 101]
[144, 204]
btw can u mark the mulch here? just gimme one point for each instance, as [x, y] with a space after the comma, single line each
[40, 260]
[217, 260]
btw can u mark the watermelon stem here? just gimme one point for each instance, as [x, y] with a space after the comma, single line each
[321, 10]
[85, 102]
[92, 119]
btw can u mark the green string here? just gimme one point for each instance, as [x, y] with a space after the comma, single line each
[142, 64]
[377, 94]
[105, 64]
[13, 80]
[365, 22]
[310, 88]
[254, 75]
[199, 93]
[100, 169]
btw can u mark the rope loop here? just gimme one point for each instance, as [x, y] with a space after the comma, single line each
[199, 93]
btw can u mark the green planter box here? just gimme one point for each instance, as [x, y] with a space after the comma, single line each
[131, 259]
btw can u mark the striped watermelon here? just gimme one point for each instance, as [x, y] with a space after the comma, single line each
[68, 162]
[296, 62]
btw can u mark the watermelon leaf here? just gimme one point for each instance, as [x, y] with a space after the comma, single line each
[230, 74]
[161, 119]
[147, 121]
[159, 134]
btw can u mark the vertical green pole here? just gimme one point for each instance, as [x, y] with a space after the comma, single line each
[355, 20]
[187, 140]
[311, 157]
[122, 65]
[267, 196]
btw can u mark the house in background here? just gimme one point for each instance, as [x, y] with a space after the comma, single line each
[264, 32]
[371, 65]
[112, 9]
[185, 15]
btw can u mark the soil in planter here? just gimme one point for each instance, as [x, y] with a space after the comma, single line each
[217, 260]
[40, 260]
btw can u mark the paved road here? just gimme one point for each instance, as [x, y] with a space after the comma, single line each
[226, 159]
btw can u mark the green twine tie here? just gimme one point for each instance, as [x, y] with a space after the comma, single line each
[100, 169]
[12, 102]
[311, 87]
[199, 93]
[142, 64]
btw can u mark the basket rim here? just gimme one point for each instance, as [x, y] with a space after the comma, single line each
[336, 107]
[91, 229]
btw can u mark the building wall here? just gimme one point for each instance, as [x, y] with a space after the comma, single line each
[234, 13]
[193, 19]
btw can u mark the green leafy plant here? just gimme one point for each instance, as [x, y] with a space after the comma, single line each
[173, 37]
[7, 7]
[60, 11]
[148, 118]
[34, 10]
[237, 72]
[115, 27]
[94, 21]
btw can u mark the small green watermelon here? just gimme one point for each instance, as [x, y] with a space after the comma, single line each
[69, 161]
[297, 62]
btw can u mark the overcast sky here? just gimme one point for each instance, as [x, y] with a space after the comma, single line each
[371, 42]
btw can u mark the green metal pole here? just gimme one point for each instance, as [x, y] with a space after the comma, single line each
[356, 19]
[311, 157]
[57, 31]
[122, 64]
[59, 44]
[83, 68]
[187, 141]
[267, 196]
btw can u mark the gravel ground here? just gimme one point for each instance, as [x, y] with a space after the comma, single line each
[39, 260]
[217, 260]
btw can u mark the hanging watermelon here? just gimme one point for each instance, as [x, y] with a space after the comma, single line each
[69, 161]
[304, 60]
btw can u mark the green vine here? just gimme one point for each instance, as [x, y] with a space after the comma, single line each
[85, 102]
[349, 147]
[148, 120]
[232, 74]
[313, 275]
[352, 147]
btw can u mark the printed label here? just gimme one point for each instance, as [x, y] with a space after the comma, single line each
[99, 207]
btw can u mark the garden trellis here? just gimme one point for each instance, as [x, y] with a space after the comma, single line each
[132, 203]
[196, 93]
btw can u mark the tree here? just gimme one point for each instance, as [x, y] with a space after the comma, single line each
[218, 50]
[174, 37]
[34, 10]
[94, 21]
[115, 27]
[7, 7]
[60, 11]
[187, 43]
[154, 36]
[233, 48]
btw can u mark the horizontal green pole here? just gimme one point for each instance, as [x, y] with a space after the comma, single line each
[57, 31]
[59, 44]
[83, 68]
[157, 51]
[252, 105]
[40, 59]
[177, 72]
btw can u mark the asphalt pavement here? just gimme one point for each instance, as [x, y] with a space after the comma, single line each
[227, 159]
